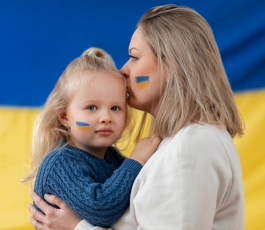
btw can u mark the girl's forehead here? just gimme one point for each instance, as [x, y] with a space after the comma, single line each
[84, 80]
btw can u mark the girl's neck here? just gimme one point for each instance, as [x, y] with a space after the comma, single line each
[96, 152]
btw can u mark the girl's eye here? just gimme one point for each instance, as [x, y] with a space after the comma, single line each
[92, 107]
[133, 58]
[115, 108]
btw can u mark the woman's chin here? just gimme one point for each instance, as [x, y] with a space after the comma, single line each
[132, 102]
[136, 105]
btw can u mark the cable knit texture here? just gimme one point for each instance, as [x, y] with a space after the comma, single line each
[98, 190]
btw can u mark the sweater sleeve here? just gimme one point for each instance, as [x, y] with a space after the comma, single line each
[99, 203]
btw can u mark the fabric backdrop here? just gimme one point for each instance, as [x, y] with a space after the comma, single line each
[39, 38]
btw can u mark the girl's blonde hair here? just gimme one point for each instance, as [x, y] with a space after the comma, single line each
[197, 89]
[49, 133]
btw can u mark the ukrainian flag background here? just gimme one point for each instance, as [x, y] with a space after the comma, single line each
[39, 38]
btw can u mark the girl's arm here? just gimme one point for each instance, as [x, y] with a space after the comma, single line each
[96, 202]
[99, 203]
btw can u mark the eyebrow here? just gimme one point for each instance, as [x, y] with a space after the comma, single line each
[96, 101]
[132, 49]
[120, 103]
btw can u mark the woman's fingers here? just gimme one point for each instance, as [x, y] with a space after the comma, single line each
[37, 225]
[40, 202]
[56, 201]
[36, 214]
[62, 218]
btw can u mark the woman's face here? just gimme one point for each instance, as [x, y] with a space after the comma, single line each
[141, 73]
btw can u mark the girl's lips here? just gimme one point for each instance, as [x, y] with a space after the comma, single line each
[104, 132]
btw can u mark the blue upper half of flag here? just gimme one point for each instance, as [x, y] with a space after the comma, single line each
[40, 38]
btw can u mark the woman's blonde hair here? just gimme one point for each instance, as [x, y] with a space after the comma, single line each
[197, 89]
[49, 133]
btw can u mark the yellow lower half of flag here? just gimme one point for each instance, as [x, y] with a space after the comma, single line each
[16, 133]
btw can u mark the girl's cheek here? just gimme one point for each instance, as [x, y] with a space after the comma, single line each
[142, 81]
[82, 126]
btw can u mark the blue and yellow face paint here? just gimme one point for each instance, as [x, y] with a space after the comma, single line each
[142, 81]
[82, 126]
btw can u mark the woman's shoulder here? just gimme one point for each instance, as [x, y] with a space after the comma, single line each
[203, 140]
[199, 146]
[203, 132]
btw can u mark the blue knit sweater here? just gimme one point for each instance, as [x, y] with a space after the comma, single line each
[98, 190]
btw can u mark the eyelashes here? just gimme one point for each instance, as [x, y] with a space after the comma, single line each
[142, 81]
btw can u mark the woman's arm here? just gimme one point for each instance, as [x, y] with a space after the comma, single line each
[63, 218]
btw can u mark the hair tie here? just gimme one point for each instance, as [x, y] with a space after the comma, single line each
[92, 53]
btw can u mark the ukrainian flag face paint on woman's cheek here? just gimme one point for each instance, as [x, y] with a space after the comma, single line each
[82, 126]
[142, 81]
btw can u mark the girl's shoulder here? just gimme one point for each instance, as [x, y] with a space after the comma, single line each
[54, 154]
[64, 153]
[113, 154]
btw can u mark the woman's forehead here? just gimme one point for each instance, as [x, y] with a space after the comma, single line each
[138, 41]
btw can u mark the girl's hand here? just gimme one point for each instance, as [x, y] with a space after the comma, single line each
[145, 148]
[63, 218]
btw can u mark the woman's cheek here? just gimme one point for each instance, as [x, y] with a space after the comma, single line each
[142, 81]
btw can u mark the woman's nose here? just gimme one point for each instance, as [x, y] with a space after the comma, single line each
[125, 71]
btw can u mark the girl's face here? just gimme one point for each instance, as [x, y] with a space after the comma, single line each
[141, 73]
[96, 114]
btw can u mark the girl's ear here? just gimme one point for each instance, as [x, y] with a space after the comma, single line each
[63, 118]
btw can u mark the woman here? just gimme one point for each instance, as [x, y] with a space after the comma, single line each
[194, 180]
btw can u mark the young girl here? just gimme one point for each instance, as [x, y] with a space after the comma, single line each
[73, 156]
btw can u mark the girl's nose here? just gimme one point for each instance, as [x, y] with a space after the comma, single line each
[105, 118]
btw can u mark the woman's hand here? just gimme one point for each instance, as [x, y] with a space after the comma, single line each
[63, 218]
[145, 148]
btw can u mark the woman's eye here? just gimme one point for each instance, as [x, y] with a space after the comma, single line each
[133, 58]
[92, 107]
[115, 108]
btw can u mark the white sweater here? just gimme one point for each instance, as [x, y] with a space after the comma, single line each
[193, 182]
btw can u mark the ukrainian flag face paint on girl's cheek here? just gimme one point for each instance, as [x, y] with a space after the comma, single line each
[82, 126]
[142, 81]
